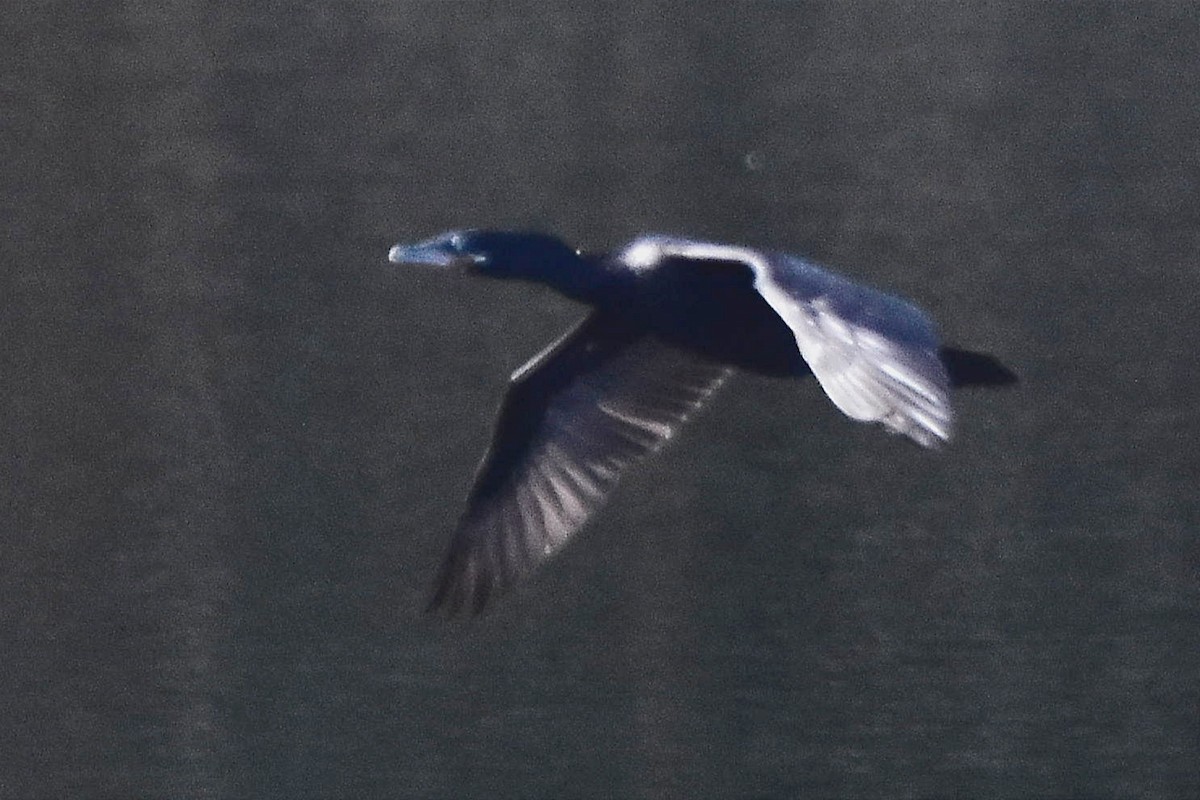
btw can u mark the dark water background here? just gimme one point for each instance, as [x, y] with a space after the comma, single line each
[233, 440]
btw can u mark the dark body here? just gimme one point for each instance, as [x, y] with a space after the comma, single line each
[713, 310]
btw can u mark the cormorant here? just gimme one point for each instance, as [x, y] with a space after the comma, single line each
[671, 319]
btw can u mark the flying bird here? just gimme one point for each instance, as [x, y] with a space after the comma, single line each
[671, 319]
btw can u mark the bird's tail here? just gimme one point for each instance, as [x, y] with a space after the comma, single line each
[975, 369]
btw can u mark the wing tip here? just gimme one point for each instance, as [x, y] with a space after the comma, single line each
[928, 433]
[455, 599]
[473, 575]
[463, 583]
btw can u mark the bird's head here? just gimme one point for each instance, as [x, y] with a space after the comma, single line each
[497, 254]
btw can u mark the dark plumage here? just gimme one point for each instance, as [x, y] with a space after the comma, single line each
[671, 319]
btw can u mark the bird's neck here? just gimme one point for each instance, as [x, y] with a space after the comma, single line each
[586, 279]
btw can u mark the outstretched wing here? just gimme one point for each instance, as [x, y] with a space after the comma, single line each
[574, 417]
[874, 354]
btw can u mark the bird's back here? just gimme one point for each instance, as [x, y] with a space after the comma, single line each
[712, 308]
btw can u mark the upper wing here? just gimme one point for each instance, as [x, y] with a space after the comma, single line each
[574, 418]
[874, 354]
